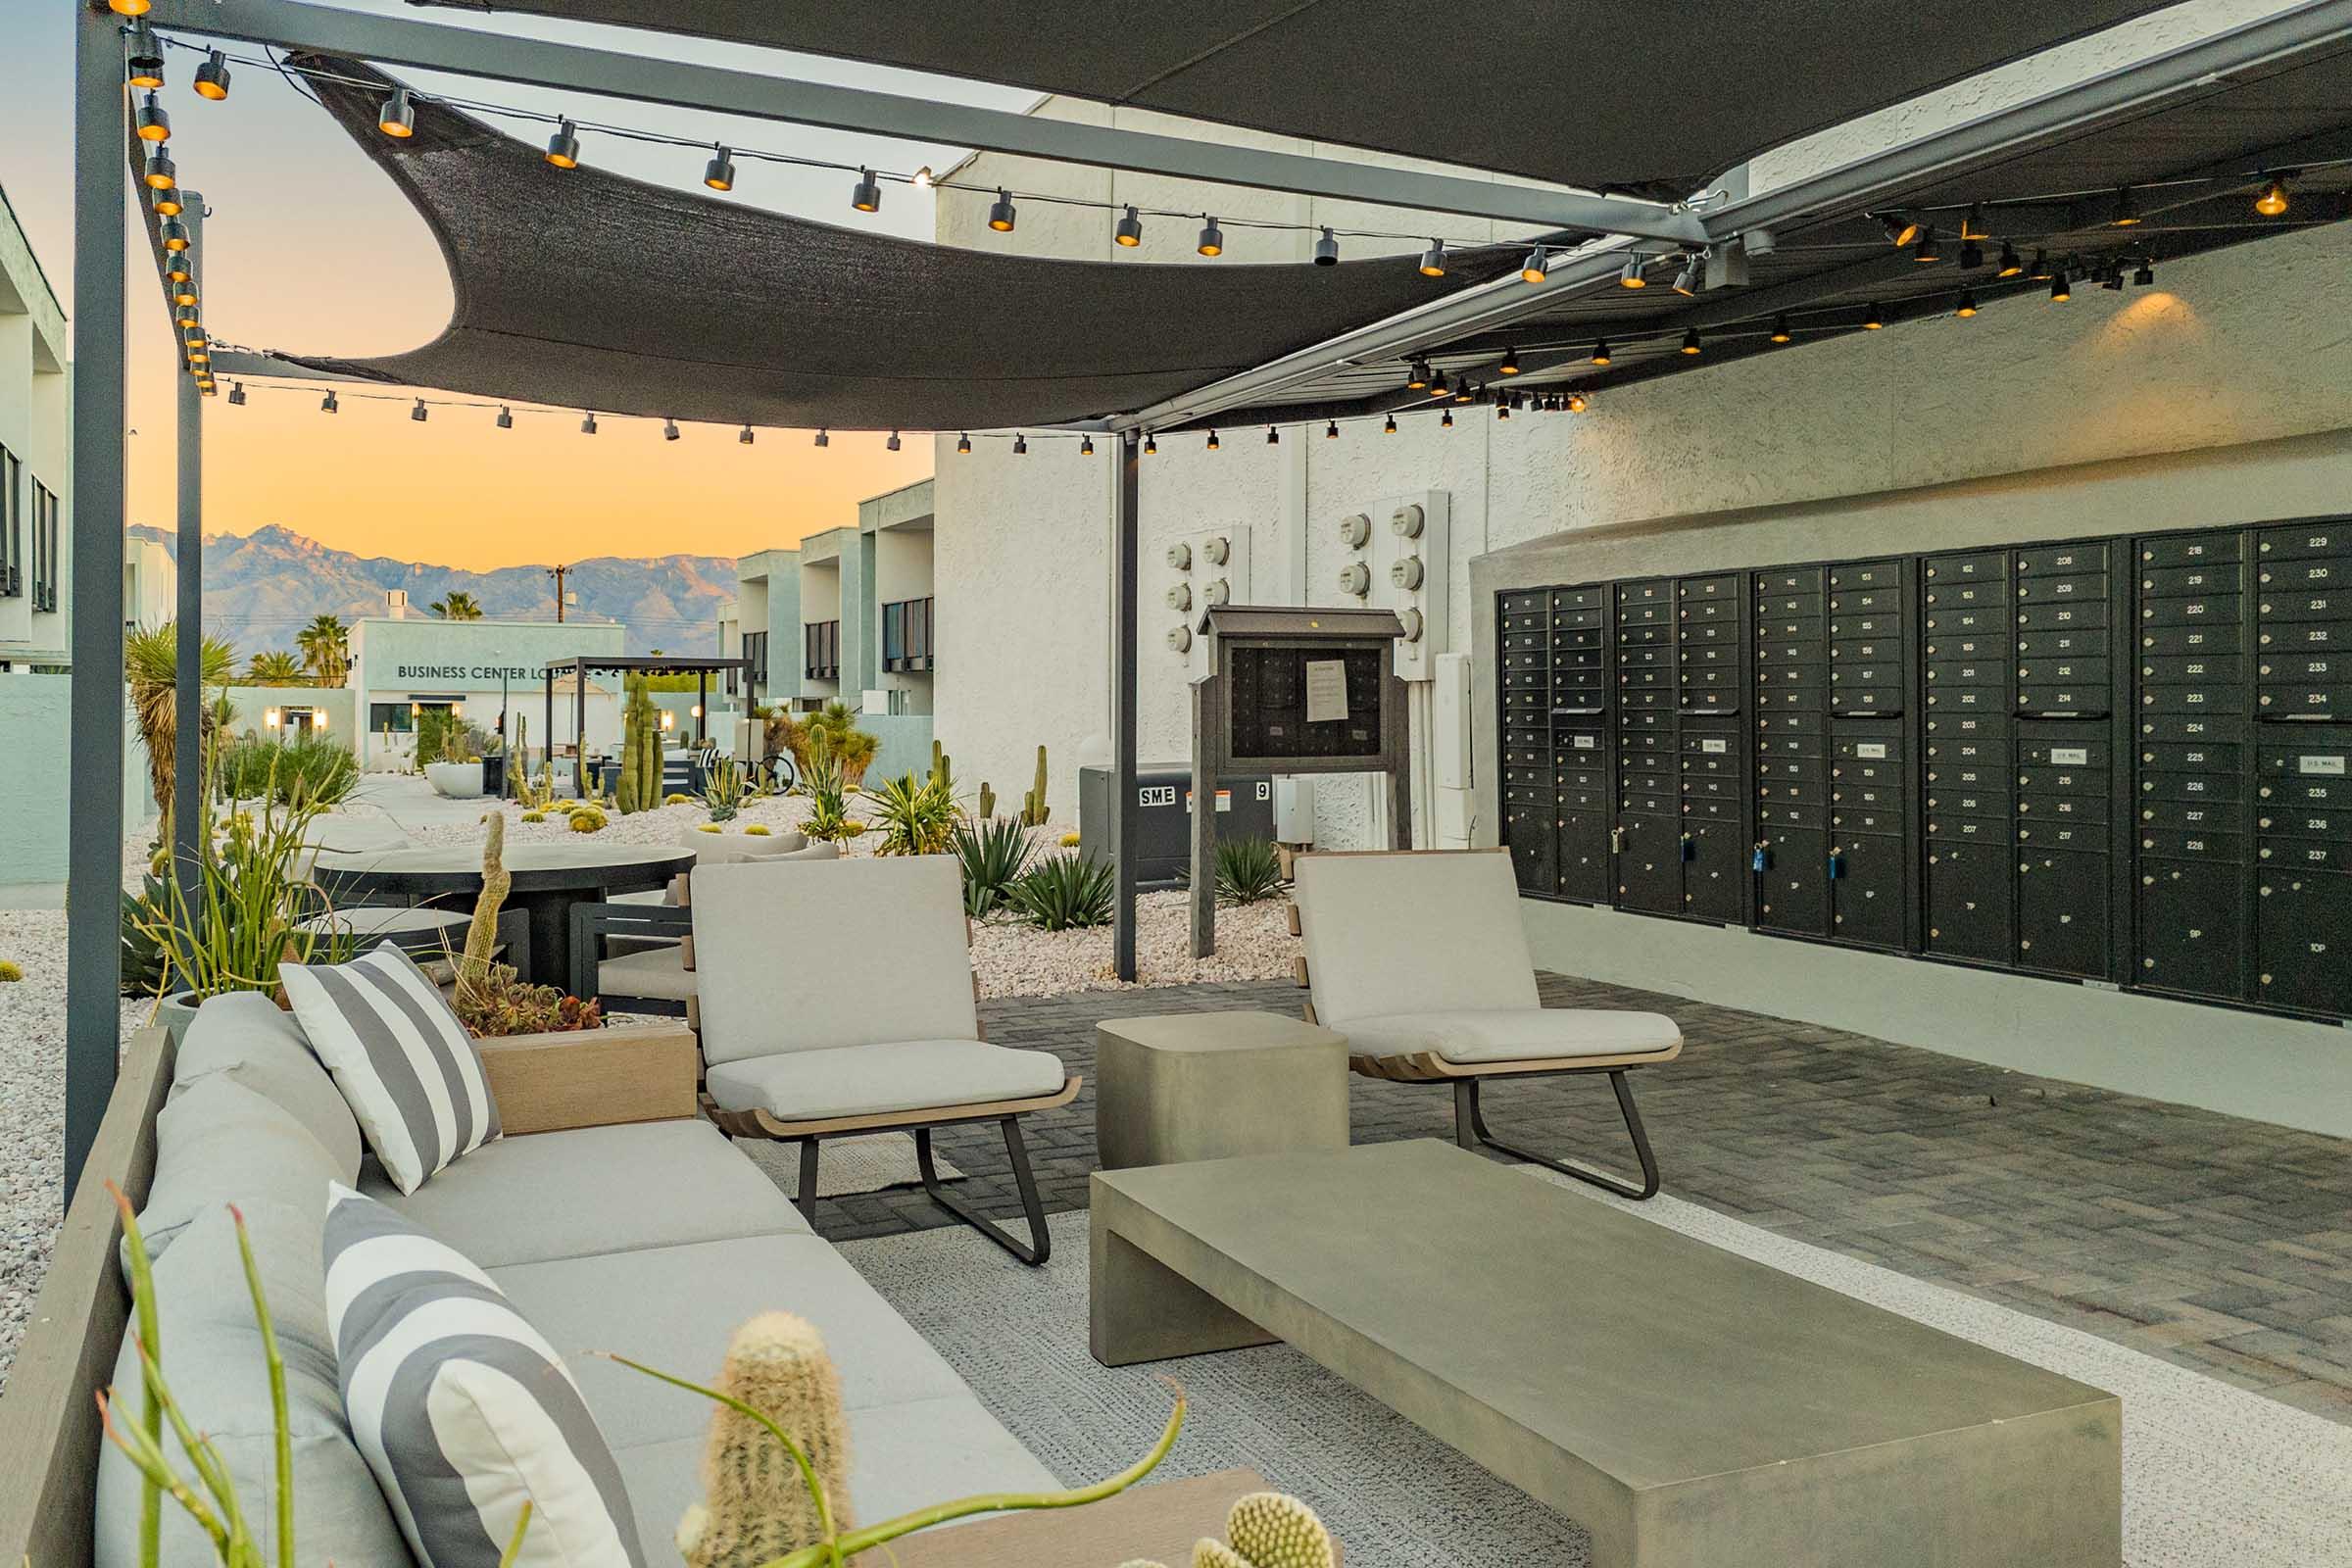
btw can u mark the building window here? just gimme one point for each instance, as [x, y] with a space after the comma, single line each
[820, 650]
[755, 654]
[44, 547]
[12, 525]
[907, 636]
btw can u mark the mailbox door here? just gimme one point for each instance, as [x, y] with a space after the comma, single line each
[1968, 895]
[2062, 912]
[1792, 890]
[1866, 892]
[2303, 922]
[1583, 852]
[2192, 919]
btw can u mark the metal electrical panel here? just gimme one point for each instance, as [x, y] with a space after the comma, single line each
[2119, 761]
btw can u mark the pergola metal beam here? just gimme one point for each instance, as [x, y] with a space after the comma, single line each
[187, 738]
[94, 850]
[644, 78]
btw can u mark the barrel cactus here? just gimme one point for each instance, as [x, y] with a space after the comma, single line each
[1266, 1530]
[757, 1504]
[10, 973]
[588, 819]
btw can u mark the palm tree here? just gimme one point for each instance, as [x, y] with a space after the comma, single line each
[325, 649]
[275, 667]
[457, 605]
[150, 666]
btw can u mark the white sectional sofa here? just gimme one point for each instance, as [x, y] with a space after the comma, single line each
[612, 1216]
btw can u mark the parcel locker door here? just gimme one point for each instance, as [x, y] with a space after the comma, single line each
[1715, 877]
[1793, 890]
[2303, 938]
[1866, 890]
[1584, 856]
[2192, 921]
[1528, 828]
[1649, 866]
[2061, 911]
[1968, 898]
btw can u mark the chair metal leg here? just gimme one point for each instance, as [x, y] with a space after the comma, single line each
[1470, 1130]
[806, 1198]
[1040, 1246]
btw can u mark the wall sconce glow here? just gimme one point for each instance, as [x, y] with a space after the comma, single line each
[270, 717]
[317, 719]
[670, 720]
[698, 711]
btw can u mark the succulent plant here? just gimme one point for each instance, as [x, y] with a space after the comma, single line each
[588, 819]
[534, 816]
[988, 801]
[1070, 841]
[757, 1504]
[1266, 1530]
[706, 827]
[1034, 810]
[758, 830]
[639, 783]
[677, 798]
[10, 973]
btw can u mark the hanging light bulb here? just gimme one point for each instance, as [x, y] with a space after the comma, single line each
[1417, 380]
[1967, 306]
[1972, 255]
[669, 429]
[720, 173]
[175, 265]
[1502, 409]
[1445, 419]
[1925, 251]
[184, 294]
[1439, 388]
[1432, 259]
[1086, 446]
[416, 414]
[328, 405]
[1576, 403]
[1129, 230]
[174, 234]
[1273, 436]
[2060, 293]
[2041, 266]
[506, 417]
[823, 439]
[2112, 278]
[743, 437]
[2127, 209]
[923, 179]
[564, 147]
[999, 212]
[1690, 341]
[1873, 320]
[1971, 222]
[866, 195]
[397, 118]
[1900, 230]
[128, 7]
[964, 444]
[2010, 265]
[1020, 446]
[1510, 362]
[212, 81]
[1212, 238]
[1686, 281]
[1630, 275]
[185, 315]
[1779, 330]
[143, 58]
[893, 444]
[1212, 440]
[2146, 277]
[2271, 203]
[1462, 390]
[1600, 351]
[1390, 427]
[1331, 431]
[161, 173]
[588, 424]
[1327, 249]
[153, 123]
[236, 394]
[1533, 269]
[1151, 447]
[167, 204]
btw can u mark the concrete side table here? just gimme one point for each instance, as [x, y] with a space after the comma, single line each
[1216, 1085]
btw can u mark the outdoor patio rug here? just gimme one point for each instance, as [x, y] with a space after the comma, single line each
[2213, 1475]
[850, 1164]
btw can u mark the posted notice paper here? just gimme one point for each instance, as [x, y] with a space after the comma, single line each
[1326, 690]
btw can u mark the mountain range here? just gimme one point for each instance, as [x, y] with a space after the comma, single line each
[261, 588]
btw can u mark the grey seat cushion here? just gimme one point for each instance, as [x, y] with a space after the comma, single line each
[253, 1042]
[591, 1190]
[902, 1457]
[216, 1142]
[647, 972]
[677, 1307]
[212, 1353]
[874, 1080]
[1514, 1034]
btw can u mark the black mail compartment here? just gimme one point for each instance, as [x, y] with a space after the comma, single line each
[1709, 618]
[1660, 699]
[1777, 652]
[1652, 803]
[2205, 699]
[1957, 595]
[2303, 822]
[1789, 580]
[2205, 611]
[1563, 637]
[2062, 833]
[2300, 540]
[2204, 638]
[1886, 676]
[2302, 668]
[1865, 601]
[2194, 670]
[1713, 637]
[1882, 623]
[1591, 598]
[1793, 607]
[2059, 612]
[1881, 821]
[1991, 670]
[1656, 621]
[1961, 801]
[1973, 568]
[2062, 912]
[2191, 816]
[2296, 576]
[2316, 764]
[1973, 776]
[1529, 679]
[2041, 808]
[1793, 890]
[1649, 864]
[1703, 809]
[1973, 751]
[2066, 701]
[1810, 721]
[1962, 726]
[2155, 726]
[1866, 798]
[1779, 811]
[2304, 701]
[1586, 742]
[2303, 941]
[1583, 856]
[1715, 876]
[2211, 758]
[1967, 895]
[1655, 591]
[1645, 652]
[2067, 669]
[2304, 854]
[1571, 771]
[2334, 604]
[1991, 699]
[1522, 642]
[1517, 603]
[1867, 700]
[1580, 798]
[1784, 769]
[1942, 623]
[1966, 647]
[1971, 829]
[1575, 620]
[2054, 561]
[1723, 586]
[1532, 624]
[2213, 789]
[1866, 574]
[1866, 890]
[2198, 581]
[2062, 751]
[1860, 651]
[1880, 774]
[2191, 549]
[1794, 792]
[1529, 830]
[2060, 590]
[2176, 844]
[2191, 928]
[1790, 701]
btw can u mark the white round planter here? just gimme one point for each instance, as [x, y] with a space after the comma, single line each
[456, 781]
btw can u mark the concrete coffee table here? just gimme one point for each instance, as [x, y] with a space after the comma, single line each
[1687, 1406]
[1214, 1085]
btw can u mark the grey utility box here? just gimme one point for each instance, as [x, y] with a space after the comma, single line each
[1162, 821]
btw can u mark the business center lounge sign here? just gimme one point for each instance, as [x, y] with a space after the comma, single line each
[478, 674]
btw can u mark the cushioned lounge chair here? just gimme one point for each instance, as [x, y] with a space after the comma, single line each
[1419, 959]
[630, 953]
[836, 998]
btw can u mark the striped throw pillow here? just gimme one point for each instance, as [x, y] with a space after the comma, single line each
[400, 1057]
[463, 1411]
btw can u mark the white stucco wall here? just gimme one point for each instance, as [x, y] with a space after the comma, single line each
[33, 414]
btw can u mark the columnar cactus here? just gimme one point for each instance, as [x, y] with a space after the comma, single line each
[988, 802]
[481, 937]
[1034, 810]
[639, 786]
[756, 1502]
[1267, 1530]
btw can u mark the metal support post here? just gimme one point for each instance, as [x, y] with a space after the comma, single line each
[187, 737]
[1125, 664]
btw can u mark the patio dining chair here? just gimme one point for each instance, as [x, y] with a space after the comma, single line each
[837, 998]
[630, 951]
[1420, 959]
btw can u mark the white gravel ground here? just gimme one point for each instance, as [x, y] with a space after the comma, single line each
[1012, 960]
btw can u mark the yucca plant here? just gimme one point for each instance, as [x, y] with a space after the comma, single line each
[1063, 892]
[994, 856]
[828, 798]
[299, 772]
[918, 817]
[151, 668]
[1249, 869]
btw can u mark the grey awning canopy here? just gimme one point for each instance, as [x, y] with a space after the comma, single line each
[1649, 99]
[586, 289]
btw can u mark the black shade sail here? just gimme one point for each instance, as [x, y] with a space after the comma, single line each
[587, 289]
[1649, 99]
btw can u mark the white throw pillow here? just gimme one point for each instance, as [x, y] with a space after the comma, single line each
[400, 1057]
[460, 1408]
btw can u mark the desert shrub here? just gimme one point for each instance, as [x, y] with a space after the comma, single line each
[918, 817]
[1063, 892]
[301, 771]
[993, 857]
[1249, 869]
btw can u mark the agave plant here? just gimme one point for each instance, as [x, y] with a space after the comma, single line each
[994, 856]
[828, 795]
[725, 788]
[918, 817]
[151, 667]
[1063, 892]
[1249, 869]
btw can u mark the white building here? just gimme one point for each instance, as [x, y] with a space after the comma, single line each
[150, 585]
[35, 539]
[487, 671]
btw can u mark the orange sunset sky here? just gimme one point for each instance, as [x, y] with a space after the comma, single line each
[310, 249]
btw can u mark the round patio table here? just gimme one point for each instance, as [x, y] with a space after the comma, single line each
[548, 879]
